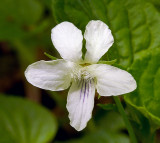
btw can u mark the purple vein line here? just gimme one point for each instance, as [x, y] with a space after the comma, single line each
[84, 91]
[88, 90]
[81, 89]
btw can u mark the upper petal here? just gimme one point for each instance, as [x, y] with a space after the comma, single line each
[112, 80]
[98, 40]
[50, 75]
[67, 39]
[80, 103]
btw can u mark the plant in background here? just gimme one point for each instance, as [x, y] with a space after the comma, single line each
[135, 26]
[84, 75]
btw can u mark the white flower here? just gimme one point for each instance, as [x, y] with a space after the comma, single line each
[84, 75]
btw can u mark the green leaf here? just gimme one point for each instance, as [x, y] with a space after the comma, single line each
[135, 25]
[107, 62]
[111, 122]
[49, 56]
[22, 121]
[108, 106]
[147, 74]
[141, 126]
[17, 18]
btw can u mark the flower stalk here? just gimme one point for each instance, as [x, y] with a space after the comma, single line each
[124, 116]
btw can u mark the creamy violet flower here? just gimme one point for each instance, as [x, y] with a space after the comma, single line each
[85, 76]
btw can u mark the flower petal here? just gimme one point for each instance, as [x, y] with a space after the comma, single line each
[50, 75]
[98, 40]
[112, 80]
[67, 39]
[80, 103]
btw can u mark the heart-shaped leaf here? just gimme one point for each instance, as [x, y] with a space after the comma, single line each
[22, 121]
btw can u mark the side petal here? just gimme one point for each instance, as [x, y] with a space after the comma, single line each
[111, 80]
[50, 75]
[98, 40]
[67, 39]
[80, 103]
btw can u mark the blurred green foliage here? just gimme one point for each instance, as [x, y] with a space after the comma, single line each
[17, 18]
[22, 121]
[108, 129]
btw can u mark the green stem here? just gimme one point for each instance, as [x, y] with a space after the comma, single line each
[128, 125]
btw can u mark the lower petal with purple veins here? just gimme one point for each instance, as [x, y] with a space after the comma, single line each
[80, 103]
